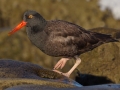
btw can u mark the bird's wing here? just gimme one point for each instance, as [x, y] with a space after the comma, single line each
[72, 39]
[67, 33]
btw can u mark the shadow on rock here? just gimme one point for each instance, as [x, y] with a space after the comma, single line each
[87, 79]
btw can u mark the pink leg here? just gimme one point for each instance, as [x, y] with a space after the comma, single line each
[61, 63]
[78, 61]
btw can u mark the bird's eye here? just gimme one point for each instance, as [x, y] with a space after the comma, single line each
[30, 16]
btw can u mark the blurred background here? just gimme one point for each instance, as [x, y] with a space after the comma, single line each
[102, 61]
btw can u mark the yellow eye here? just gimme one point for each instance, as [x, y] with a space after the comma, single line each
[30, 16]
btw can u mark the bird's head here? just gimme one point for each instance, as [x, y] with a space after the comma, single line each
[30, 19]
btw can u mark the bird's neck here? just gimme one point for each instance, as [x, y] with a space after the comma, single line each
[38, 27]
[37, 35]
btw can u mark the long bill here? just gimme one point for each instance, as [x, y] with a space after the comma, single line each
[18, 27]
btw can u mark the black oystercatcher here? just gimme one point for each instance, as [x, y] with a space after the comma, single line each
[60, 38]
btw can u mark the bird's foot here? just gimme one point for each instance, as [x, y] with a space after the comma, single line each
[64, 74]
[61, 63]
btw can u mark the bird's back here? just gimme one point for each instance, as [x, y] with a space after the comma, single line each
[68, 39]
[61, 38]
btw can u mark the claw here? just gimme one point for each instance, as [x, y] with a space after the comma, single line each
[64, 74]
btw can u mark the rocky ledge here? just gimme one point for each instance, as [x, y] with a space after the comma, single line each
[17, 75]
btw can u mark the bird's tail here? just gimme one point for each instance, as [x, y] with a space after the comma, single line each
[105, 38]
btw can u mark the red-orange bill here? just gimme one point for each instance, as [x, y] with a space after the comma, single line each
[18, 27]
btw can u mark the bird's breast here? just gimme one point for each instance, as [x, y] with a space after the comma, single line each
[38, 39]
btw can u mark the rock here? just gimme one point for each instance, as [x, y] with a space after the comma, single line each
[25, 70]
[14, 73]
[42, 87]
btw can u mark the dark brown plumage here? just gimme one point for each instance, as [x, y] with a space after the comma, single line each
[61, 38]
[70, 39]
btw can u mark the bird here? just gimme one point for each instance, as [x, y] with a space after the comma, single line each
[59, 38]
